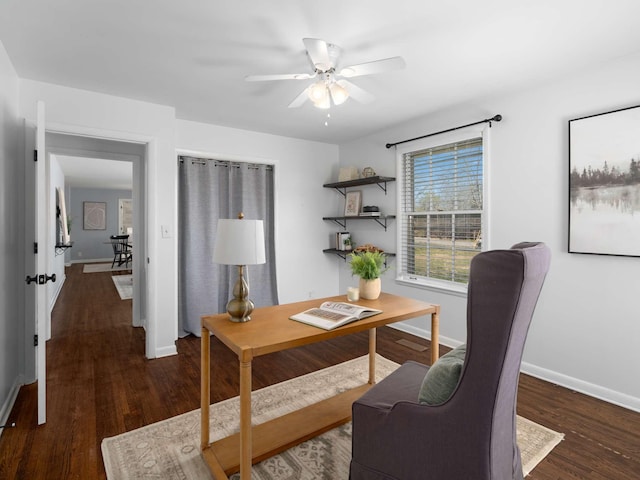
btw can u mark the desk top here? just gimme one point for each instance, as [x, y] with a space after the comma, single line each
[271, 330]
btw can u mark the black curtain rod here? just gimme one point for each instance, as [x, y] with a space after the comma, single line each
[496, 118]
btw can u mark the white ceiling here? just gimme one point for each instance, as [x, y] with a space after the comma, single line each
[83, 172]
[194, 54]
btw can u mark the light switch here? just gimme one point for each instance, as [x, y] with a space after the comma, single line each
[166, 231]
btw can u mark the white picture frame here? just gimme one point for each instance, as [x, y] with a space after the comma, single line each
[94, 215]
[352, 203]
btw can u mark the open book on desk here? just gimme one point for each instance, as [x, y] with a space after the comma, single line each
[331, 315]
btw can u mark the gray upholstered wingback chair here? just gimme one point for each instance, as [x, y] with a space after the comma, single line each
[472, 434]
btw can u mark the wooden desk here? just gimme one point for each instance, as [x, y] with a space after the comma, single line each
[270, 330]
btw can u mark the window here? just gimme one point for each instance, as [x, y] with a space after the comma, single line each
[441, 212]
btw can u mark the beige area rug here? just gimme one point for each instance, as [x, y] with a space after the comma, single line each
[124, 285]
[171, 449]
[103, 267]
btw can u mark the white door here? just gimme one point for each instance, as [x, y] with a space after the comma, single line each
[37, 260]
[41, 292]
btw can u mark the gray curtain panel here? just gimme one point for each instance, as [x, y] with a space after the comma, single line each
[209, 190]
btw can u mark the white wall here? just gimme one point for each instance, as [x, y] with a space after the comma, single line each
[585, 331]
[82, 112]
[12, 238]
[301, 167]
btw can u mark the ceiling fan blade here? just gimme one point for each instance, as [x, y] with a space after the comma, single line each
[318, 53]
[300, 99]
[268, 78]
[369, 68]
[355, 92]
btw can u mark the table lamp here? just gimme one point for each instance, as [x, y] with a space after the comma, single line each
[239, 242]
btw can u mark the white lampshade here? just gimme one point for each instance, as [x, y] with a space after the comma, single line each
[239, 242]
[323, 104]
[339, 94]
[318, 92]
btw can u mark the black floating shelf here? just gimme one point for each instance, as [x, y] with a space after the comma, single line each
[342, 221]
[62, 247]
[377, 180]
[345, 253]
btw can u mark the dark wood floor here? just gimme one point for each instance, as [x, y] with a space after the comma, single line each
[99, 385]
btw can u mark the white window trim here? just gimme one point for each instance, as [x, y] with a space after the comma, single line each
[482, 130]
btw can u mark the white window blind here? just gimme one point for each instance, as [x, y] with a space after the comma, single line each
[441, 211]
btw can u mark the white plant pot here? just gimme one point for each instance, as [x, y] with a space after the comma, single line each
[370, 289]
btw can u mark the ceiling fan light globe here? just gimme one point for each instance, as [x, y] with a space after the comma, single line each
[339, 94]
[318, 92]
[323, 104]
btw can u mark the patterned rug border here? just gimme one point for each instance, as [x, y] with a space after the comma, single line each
[124, 285]
[267, 404]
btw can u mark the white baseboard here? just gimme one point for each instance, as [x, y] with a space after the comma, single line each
[422, 333]
[54, 299]
[166, 351]
[591, 389]
[10, 401]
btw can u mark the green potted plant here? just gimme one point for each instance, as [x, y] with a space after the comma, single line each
[368, 264]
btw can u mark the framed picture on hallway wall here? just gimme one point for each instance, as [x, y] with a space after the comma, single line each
[94, 215]
[604, 183]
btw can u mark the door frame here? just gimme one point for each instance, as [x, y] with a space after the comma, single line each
[142, 273]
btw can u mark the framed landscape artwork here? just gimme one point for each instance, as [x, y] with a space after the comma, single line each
[604, 183]
[94, 216]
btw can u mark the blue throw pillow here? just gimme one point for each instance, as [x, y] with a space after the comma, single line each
[442, 377]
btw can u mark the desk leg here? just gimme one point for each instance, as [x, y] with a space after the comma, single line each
[372, 356]
[435, 335]
[245, 420]
[205, 375]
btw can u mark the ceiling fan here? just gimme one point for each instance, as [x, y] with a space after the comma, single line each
[330, 84]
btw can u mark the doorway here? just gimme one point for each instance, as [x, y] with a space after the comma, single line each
[88, 153]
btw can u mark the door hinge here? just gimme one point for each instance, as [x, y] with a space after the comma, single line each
[35, 248]
[35, 155]
[35, 340]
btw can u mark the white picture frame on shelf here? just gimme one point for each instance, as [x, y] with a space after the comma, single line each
[352, 203]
